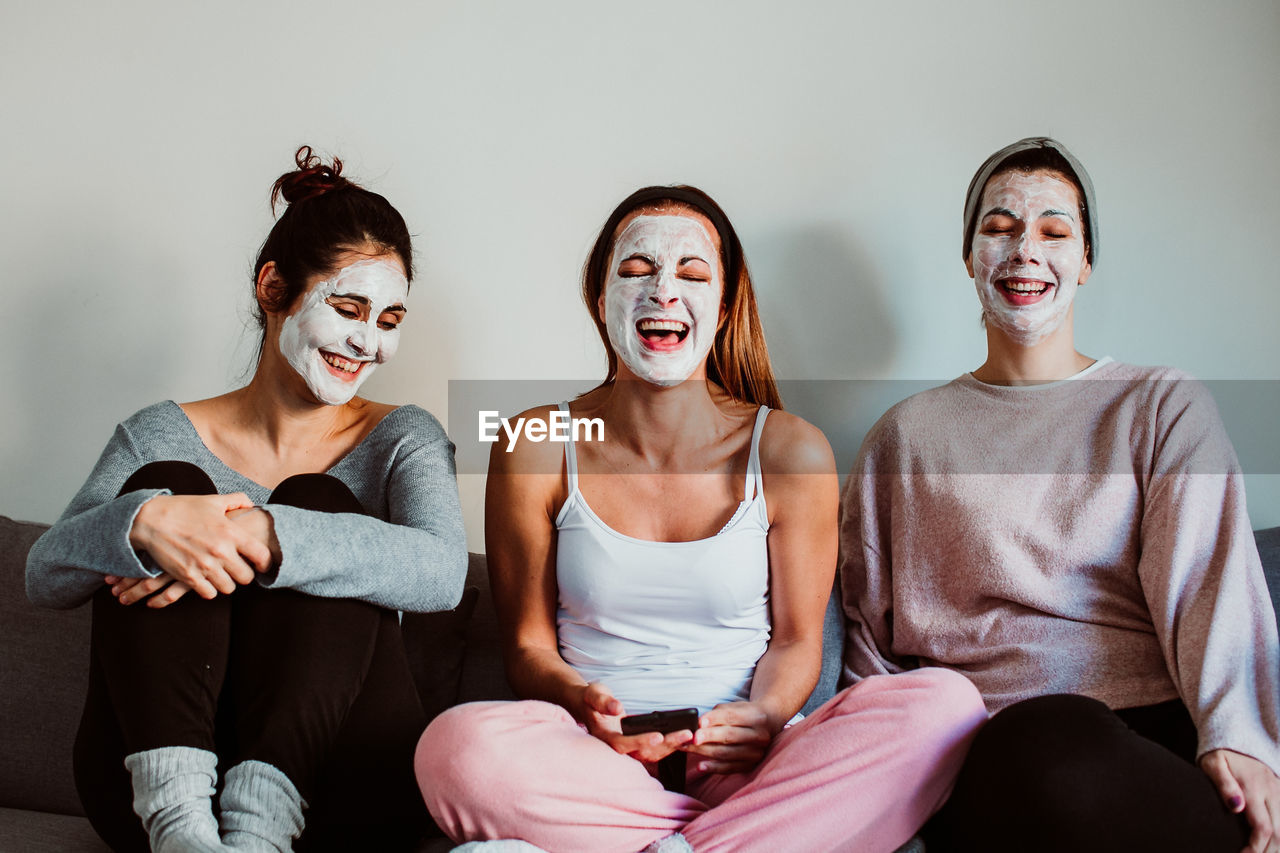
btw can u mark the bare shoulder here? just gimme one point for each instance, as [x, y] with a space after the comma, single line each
[527, 457]
[523, 475]
[792, 445]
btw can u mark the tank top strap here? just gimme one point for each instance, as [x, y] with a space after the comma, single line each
[570, 457]
[755, 477]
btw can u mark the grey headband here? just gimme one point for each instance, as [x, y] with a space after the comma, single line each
[996, 160]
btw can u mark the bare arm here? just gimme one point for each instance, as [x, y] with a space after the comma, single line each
[525, 489]
[802, 494]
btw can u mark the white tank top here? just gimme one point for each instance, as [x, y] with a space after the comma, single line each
[665, 624]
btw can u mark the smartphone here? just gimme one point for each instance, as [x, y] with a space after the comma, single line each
[671, 770]
[663, 722]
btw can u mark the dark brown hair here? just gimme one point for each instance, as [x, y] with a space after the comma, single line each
[739, 361]
[326, 214]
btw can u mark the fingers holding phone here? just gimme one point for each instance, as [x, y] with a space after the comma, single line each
[600, 711]
[661, 732]
[732, 738]
[645, 737]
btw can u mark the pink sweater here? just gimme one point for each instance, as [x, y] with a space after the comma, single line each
[1086, 536]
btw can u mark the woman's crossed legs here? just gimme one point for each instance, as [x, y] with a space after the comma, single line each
[863, 772]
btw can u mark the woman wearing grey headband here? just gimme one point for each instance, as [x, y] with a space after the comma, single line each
[1070, 533]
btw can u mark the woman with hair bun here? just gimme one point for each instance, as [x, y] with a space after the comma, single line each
[245, 556]
[683, 559]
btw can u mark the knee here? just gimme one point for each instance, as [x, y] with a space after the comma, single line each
[950, 690]
[466, 752]
[318, 492]
[1042, 748]
[1062, 723]
[941, 701]
[179, 477]
[935, 710]
[442, 747]
[948, 714]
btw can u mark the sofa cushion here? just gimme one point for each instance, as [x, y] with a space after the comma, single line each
[42, 682]
[1269, 549]
[832, 654]
[42, 832]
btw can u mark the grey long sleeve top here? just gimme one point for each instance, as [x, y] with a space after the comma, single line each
[409, 553]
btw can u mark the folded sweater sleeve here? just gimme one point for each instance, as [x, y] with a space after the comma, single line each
[1203, 579]
[414, 557]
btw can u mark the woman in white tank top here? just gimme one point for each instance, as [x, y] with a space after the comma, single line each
[684, 558]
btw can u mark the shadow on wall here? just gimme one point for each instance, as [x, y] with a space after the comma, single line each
[826, 317]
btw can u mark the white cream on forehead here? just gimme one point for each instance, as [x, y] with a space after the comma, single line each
[317, 326]
[664, 239]
[1025, 253]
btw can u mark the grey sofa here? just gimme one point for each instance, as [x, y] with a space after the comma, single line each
[455, 658]
[44, 654]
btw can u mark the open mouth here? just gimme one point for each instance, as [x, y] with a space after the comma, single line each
[1023, 291]
[344, 368]
[662, 334]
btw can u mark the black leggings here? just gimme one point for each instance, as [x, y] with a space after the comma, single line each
[1066, 773]
[317, 687]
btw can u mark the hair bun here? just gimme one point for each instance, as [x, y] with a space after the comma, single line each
[312, 178]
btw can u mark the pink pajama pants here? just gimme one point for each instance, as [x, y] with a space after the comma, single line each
[862, 773]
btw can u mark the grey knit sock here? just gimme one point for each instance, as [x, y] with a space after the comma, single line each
[261, 809]
[505, 845]
[172, 787]
[671, 844]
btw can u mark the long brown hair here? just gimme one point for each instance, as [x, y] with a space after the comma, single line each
[739, 361]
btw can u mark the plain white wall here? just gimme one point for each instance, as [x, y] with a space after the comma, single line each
[141, 137]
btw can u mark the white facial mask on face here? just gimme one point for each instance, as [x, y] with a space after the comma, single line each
[333, 353]
[677, 304]
[1028, 253]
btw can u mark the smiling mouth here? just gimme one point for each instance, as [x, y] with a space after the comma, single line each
[1023, 292]
[662, 334]
[343, 366]
[1024, 287]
